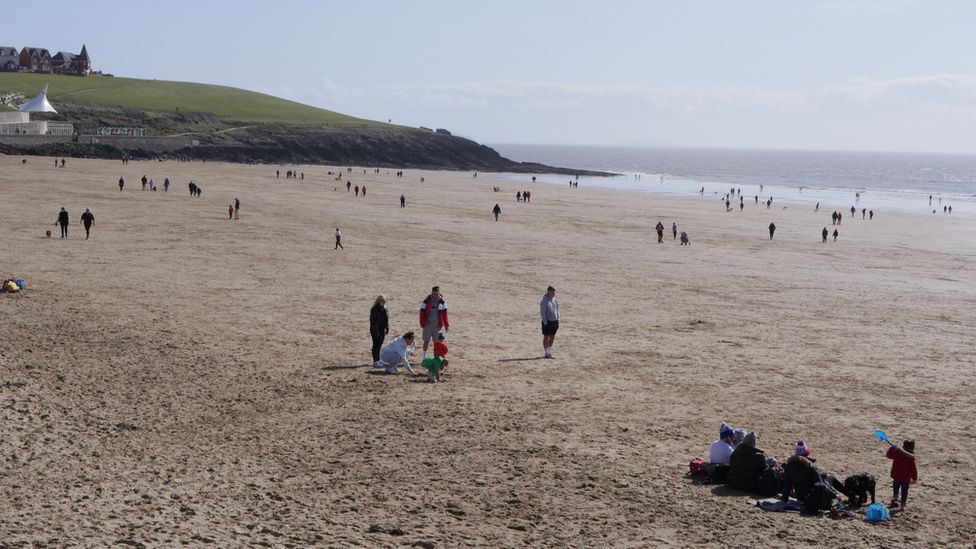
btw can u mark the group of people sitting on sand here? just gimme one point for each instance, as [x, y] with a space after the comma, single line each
[736, 460]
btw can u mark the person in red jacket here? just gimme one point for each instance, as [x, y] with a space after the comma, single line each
[903, 471]
[433, 316]
[440, 346]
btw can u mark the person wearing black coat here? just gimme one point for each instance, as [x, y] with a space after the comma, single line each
[379, 326]
[746, 465]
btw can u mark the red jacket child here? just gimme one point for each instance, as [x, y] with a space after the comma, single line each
[902, 466]
[440, 348]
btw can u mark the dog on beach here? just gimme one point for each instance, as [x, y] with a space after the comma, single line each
[857, 488]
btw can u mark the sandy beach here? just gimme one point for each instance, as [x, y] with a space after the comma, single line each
[182, 378]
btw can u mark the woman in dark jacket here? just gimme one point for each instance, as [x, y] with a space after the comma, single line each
[746, 465]
[379, 326]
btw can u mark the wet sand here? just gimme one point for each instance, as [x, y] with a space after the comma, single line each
[184, 378]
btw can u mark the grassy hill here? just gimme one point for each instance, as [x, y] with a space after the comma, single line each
[230, 124]
[159, 96]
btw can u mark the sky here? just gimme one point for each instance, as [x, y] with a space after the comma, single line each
[896, 75]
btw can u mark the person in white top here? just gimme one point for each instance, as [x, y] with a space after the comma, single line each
[549, 310]
[721, 449]
[397, 352]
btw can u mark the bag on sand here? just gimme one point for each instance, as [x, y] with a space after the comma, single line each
[877, 512]
[770, 483]
[819, 499]
[697, 466]
[718, 474]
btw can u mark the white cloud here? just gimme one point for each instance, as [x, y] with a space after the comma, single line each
[930, 111]
[945, 91]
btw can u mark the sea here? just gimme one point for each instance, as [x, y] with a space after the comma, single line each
[876, 181]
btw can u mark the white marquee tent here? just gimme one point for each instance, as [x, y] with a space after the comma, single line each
[38, 104]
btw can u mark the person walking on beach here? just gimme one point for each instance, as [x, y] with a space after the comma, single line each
[833, 218]
[230, 211]
[166, 185]
[674, 230]
[121, 184]
[835, 235]
[237, 208]
[338, 235]
[497, 210]
[772, 229]
[364, 190]
[817, 207]
[357, 191]
[660, 232]
[144, 182]
[87, 219]
[63, 220]
[549, 311]
[433, 316]
[379, 326]
[403, 201]
[348, 183]
[824, 234]
[518, 196]
[870, 215]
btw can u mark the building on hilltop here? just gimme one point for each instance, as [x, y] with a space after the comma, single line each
[71, 63]
[35, 59]
[9, 59]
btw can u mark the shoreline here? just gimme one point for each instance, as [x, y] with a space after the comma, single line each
[830, 198]
[886, 181]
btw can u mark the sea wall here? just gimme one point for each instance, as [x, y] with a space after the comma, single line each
[148, 144]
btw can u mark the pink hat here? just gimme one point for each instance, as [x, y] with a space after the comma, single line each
[802, 449]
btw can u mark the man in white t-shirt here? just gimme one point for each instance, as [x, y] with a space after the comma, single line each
[721, 449]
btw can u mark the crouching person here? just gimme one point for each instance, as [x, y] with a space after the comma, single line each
[435, 368]
[398, 352]
[805, 481]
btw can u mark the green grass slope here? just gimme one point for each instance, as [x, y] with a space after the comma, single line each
[229, 104]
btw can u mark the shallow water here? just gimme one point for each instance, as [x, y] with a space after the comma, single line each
[884, 181]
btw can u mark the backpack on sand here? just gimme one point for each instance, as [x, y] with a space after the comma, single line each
[770, 483]
[820, 499]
